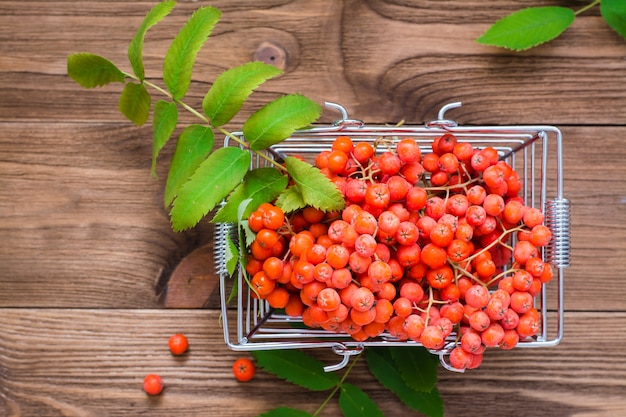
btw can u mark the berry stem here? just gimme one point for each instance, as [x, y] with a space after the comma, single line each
[447, 188]
[494, 243]
[501, 274]
[459, 269]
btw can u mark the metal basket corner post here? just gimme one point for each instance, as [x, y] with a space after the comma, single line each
[535, 152]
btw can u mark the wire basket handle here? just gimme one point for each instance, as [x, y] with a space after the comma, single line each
[346, 352]
[441, 121]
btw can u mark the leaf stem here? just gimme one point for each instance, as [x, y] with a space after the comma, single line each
[337, 387]
[587, 7]
[207, 121]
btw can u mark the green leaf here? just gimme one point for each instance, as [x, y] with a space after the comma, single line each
[214, 179]
[246, 235]
[614, 13]
[181, 55]
[285, 412]
[135, 103]
[417, 366]
[194, 146]
[164, 120]
[290, 200]
[277, 120]
[383, 367]
[317, 190]
[232, 256]
[354, 402]
[242, 209]
[298, 368]
[261, 185]
[528, 27]
[91, 70]
[231, 89]
[135, 49]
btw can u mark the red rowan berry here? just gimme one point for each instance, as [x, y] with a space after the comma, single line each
[153, 384]
[408, 151]
[460, 358]
[432, 337]
[178, 344]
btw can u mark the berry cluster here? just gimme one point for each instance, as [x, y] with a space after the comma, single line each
[427, 245]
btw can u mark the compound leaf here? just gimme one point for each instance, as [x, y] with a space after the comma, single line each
[214, 179]
[91, 70]
[277, 120]
[417, 366]
[317, 190]
[164, 120]
[135, 49]
[260, 185]
[297, 367]
[194, 146]
[285, 412]
[528, 27]
[290, 200]
[614, 13]
[232, 88]
[135, 103]
[181, 55]
[382, 366]
[354, 402]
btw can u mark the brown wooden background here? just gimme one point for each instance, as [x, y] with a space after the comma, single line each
[87, 253]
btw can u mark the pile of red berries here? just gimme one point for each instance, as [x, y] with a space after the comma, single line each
[427, 245]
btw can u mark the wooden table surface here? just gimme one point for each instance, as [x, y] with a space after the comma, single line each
[88, 297]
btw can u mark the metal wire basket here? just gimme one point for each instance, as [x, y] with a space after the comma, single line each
[535, 152]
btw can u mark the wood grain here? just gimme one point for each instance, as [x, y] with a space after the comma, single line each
[79, 362]
[87, 252]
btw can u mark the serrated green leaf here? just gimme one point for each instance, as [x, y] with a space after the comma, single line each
[417, 366]
[317, 190]
[135, 49]
[232, 88]
[91, 70]
[528, 27]
[194, 146]
[135, 103]
[298, 368]
[214, 179]
[248, 235]
[260, 185]
[285, 412]
[181, 55]
[164, 120]
[614, 13]
[290, 200]
[277, 120]
[382, 366]
[232, 256]
[354, 402]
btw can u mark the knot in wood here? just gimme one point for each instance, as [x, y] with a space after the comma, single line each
[271, 54]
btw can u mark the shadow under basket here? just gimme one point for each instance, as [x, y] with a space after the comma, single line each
[535, 152]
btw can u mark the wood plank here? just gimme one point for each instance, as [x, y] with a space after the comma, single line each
[91, 363]
[384, 61]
